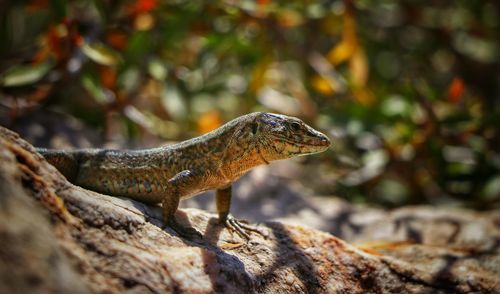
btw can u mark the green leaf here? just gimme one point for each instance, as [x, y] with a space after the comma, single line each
[97, 92]
[157, 69]
[101, 54]
[492, 188]
[21, 75]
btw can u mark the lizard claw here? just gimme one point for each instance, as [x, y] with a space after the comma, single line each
[242, 221]
[235, 225]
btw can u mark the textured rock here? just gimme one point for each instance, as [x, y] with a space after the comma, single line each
[56, 236]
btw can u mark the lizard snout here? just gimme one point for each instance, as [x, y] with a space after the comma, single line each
[324, 141]
[318, 139]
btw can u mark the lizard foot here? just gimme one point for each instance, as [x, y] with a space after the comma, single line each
[240, 227]
[186, 232]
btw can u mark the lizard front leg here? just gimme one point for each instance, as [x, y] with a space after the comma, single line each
[223, 201]
[181, 184]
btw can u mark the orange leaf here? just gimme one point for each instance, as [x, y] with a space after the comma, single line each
[77, 39]
[349, 44]
[41, 54]
[375, 247]
[144, 22]
[290, 18]
[108, 77]
[349, 30]
[455, 90]
[56, 40]
[209, 121]
[340, 53]
[364, 96]
[117, 39]
[36, 5]
[143, 6]
[358, 67]
[322, 85]
[258, 79]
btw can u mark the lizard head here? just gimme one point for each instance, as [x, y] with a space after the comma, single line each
[280, 137]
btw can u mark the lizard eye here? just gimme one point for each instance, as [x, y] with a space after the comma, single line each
[254, 128]
[295, 126]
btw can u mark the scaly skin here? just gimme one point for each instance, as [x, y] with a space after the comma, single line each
[209, 162]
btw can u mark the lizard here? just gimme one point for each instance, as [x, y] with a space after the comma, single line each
[212, 161]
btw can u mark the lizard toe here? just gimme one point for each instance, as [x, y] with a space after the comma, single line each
[240, 227]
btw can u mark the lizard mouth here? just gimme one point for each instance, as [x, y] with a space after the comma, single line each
[305, 146]
[317, 141]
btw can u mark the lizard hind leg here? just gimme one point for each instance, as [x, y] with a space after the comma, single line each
[223, 201]
[179, 185]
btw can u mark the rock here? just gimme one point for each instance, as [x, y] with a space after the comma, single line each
[57, 237]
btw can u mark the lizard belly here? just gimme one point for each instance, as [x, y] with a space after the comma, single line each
[209, 183]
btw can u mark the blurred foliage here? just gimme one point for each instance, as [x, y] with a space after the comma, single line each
[408, 90]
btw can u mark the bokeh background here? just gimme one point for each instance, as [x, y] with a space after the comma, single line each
[407, 90]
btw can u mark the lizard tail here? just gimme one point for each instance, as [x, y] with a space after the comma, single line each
[66, 162]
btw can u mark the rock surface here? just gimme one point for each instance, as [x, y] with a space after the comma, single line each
[57, 237]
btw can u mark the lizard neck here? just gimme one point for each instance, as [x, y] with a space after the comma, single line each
[242, 153]
[261, 154]
[235, 166]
